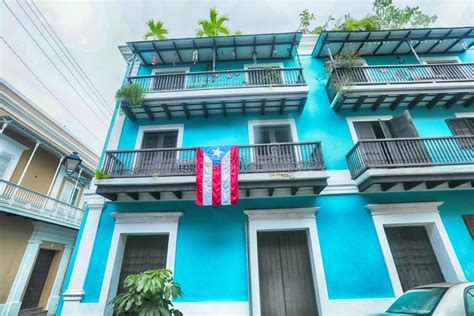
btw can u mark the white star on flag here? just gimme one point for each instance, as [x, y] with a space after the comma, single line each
[217, 152]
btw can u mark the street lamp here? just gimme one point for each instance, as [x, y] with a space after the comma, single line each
[71, 162]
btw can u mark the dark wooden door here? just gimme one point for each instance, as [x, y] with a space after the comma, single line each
[163, 161]
[143, 252]
[286, 281]
[278, 154]
[414, 257]
[37, 278]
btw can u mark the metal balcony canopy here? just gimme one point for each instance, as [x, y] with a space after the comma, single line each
[389, 42]
[227, 48]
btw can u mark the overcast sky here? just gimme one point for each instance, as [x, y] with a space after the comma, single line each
[92, 30]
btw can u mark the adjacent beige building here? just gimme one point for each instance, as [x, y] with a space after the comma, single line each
[41, 204]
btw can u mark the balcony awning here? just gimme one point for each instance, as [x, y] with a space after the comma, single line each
[228, 48]
[389, 42]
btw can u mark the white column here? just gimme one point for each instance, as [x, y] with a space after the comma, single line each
[13, 303]
[55, 175]
[28, 163]
[75, 291]
[58, 281]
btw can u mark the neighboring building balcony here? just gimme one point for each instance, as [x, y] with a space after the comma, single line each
[25, 202]
[277, 169]
[413, 163]
[406, 86]
[262, 90]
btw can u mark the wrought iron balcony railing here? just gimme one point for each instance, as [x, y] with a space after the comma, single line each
[281, 157]
[262, 77]
[410, 152]
[38, 204]
[398, 74]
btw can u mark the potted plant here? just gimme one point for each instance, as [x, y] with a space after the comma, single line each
[343, 78]
[132, 95]
[148, 293]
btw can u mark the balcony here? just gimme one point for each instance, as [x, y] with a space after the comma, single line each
[283, 169]
[225, 92]
[25, 202]
[407, 86]
[413, 163]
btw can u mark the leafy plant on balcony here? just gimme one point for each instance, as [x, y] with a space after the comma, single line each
[132, 94]
[99, 174]
[341, 80]
[148, 293]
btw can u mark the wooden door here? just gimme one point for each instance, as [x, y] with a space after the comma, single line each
[285, 274]
[37, 278]
[413, 255]
[143, 252]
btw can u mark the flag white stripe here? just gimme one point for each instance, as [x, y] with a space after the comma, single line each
[207, 181]
[225, 179]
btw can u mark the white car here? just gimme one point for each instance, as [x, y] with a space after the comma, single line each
[442, 299]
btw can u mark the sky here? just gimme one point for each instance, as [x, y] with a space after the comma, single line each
[92, 30]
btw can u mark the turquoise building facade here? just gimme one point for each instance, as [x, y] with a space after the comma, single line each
[364, 218]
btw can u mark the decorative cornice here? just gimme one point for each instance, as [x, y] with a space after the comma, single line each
[282, 213]
[149, 217]
[404, 208]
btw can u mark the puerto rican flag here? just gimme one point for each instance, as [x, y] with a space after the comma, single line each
[217, 172]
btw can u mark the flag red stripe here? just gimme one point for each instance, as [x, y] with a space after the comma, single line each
[234, 175]
[199, 175]
[216, 184]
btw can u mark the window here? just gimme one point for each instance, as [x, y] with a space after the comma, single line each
[6, 159]
[463, 126]
[69, 193]
[266, 134]
[469, 301]
[143, 252]
[162, 139]
[400, 126]
[469, 220]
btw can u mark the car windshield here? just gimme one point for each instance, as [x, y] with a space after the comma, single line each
[418, 301]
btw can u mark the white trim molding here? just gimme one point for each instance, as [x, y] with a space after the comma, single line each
[285, 219]
[464, 114]
[75, 290]
[135, 224]
[424, 214]
[160, 128]
[371, 118]
[440, 60]
[253, 123]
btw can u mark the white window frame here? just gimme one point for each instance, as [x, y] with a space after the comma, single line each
[156, 71]
[440, 59]
[280, 220]
[372, 118]
[16, 149]
[160, 128]
[150, 223]
[257, 65]
[416, 214]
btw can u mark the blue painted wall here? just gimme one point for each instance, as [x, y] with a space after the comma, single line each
[211, 258]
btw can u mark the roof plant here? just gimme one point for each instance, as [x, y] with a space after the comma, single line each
[148, 293]
[385, 15]
[155, 30]
[214, 26]
[133, 94]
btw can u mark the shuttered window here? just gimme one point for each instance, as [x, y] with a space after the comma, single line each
[273, 134]
[469, 220]
[166, 139]
[142, 253]
[461, 126]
